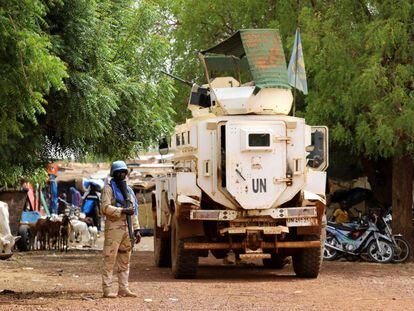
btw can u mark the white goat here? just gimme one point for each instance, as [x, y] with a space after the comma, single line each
[93, 232]
[7, 240]
[80, 231]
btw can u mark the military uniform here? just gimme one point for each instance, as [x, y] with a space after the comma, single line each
[117, 245]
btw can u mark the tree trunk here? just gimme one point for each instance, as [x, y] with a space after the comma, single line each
[379, 173]
[402, 197]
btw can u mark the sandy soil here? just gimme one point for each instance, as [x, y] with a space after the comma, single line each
[71, 281]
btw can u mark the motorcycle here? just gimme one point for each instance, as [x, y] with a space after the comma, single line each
[402, 249]
[357, 239]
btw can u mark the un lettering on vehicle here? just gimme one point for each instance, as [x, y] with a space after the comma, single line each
[259, 185]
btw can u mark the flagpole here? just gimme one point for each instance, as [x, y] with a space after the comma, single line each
[296, 72]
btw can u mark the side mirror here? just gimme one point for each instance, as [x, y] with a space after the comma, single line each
[163, 147]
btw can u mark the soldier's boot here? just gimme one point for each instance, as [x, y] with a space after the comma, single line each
[108, 294]
[124, 290]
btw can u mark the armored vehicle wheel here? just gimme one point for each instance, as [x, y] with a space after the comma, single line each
[24, 243]
[307, 262]
[162, 247]
[183, 262]
[277, 261]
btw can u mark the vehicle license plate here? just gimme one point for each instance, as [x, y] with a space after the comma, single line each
[301, 221]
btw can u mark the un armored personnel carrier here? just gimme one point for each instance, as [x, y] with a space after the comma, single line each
[248, 178]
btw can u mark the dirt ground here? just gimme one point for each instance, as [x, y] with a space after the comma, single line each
[47, 280]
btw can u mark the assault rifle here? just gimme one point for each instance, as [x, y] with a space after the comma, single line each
[124, 190]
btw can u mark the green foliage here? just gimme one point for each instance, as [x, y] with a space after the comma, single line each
[28, 69]
[358, 55]
[114, 98]
[79, 78]
[363, 74]
[82, 77]
[196, 25]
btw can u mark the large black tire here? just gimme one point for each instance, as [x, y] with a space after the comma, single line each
[23, 244]
[307, 262]
[277, 261]
[162, 247]
[184, 263]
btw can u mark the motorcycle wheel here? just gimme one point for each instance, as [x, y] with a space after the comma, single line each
[331, 254]
[403, 251]
[376, 255]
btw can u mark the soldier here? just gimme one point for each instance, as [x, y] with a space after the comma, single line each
[117, 245]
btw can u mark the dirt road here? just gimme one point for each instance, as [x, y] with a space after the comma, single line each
[71, 281]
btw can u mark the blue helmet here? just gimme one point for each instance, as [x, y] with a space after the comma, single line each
[118, 166]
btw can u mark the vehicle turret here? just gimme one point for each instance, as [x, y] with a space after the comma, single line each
[259, 83]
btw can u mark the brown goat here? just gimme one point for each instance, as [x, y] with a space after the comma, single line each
[42, 232]
[53, 238]
[64, 233]
[33, 228]
[50, 234]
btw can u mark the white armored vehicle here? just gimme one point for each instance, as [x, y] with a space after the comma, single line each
[248, 178]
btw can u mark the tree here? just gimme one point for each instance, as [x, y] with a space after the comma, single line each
[29, 71]
[114, 97]
[195, 25]
[359, 61]
[85, 77]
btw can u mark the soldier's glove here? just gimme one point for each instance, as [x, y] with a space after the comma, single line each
[128, 211]
[137, 236]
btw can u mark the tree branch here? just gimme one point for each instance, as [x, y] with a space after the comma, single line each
[26, 80]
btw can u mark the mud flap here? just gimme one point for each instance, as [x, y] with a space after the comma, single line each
[315, 230]
[188, 228]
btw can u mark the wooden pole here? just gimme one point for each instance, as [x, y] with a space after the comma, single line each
[296, 72]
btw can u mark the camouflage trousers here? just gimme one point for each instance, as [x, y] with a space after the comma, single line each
[116, 255]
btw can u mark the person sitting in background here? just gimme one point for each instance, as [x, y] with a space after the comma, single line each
[341, 214]
[76, 197]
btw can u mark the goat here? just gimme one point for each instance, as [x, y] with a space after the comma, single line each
[65, 229]
[88, 221]
[42, 232]
[80, 231]
[93, 232]
[33, 229]
[7, 240]
[53, 239]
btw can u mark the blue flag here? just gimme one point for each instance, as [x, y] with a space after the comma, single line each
[296, 68]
